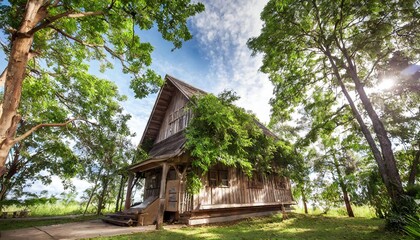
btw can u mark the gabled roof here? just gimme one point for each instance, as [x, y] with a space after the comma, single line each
[173, 145]
[185, 88]
[161, 105]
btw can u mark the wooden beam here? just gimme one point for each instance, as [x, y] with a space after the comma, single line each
[163, 101]
[161, 108]
[129, 191]
[161, 211]
[154, 121]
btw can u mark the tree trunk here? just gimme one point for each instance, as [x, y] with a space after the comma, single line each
[305, 206]
[343, 188]
[347, 201]
[119, 197]
[13, 169]
[101, 201]
[122, 198]
[90, 198]
[413, 170]
[93, 191]
[391, 177]
[395, 185]
[16, 70]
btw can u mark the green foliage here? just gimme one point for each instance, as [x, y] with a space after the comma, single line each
[313, 49]
[50, 151]
[58, 84]
[194, 183]
[373, 191]
[28, 202]
[108, 33]
[400, 212]
[221, 133]
[412, 228]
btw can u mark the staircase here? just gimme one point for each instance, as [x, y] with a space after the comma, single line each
[122, 219]
[143, 214]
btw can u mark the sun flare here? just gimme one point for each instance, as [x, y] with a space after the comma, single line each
[386, 84]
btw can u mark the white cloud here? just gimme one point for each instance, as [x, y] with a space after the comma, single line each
[56, 186]
[223, 30]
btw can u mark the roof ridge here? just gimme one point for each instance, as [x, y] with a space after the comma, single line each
[180, 84]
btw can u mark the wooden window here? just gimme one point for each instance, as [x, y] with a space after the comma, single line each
[213, 178]
[223, 178]
[218, 178]
[256, 181]
[177, 121]
[152, 180]
[281, 182]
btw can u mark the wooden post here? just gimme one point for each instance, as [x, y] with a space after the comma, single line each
[129, 189]
[161, 211]
[283, 212]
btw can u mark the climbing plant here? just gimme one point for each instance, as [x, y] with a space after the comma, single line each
[222, 133]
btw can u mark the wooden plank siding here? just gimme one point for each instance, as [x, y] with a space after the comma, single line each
[239, 193]
[178, 101]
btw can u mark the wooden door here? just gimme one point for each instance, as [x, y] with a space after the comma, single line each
[172, 195]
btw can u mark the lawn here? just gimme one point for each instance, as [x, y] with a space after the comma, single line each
[298, 226]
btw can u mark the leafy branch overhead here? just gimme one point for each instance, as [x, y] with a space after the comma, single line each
[50, 43]
[221, 133]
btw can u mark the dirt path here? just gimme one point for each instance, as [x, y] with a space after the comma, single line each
[44, 218]
[76, 230]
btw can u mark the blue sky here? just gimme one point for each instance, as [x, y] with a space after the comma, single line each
[217, 58]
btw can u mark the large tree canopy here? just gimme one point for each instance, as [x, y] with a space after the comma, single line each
[50, 151]
[49, 40]
[339, 47]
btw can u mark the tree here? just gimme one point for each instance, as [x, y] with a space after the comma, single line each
[316, 43]
[49, 151]
[402, 114]
[105, 149]
[45, 37]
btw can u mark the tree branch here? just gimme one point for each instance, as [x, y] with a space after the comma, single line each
[29, 132]
[81, 41]
[70, 14]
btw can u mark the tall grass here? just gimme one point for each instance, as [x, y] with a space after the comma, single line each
[359, 211]
[58, 208]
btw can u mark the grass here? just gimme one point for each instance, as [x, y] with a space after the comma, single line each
[49, 209]
[298, 226]
[359, 211]
[58, 208]
[12, 224]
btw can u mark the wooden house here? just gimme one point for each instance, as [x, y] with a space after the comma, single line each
[227, 193]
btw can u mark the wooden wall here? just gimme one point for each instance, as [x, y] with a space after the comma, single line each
[177, 102]
[239, 193]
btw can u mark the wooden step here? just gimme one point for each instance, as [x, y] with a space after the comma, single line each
[122, 216]
[114, 221]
